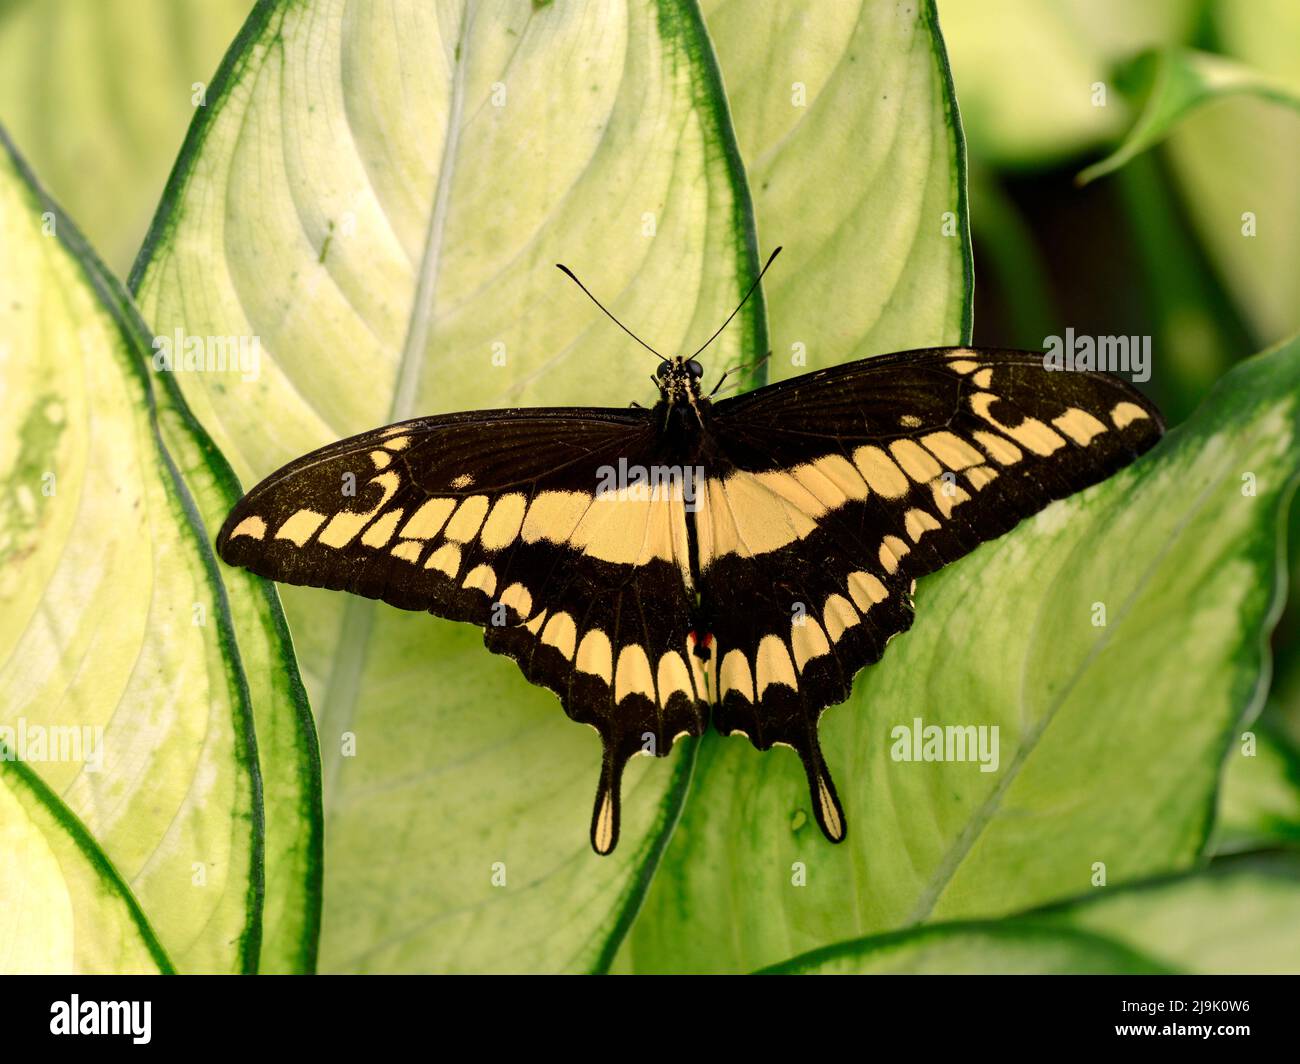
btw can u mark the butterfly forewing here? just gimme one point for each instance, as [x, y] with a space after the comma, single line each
[495, 518]
[828, 495]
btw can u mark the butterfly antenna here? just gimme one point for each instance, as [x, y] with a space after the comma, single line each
[574, 278]
[753, 286]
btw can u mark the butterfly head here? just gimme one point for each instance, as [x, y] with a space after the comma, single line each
[679, 379]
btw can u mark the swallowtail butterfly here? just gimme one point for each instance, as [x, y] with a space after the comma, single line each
[755, 553]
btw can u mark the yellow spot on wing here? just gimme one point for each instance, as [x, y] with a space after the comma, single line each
[838, 615]
[808, 641]
[773, 665]
[516, 596]
[595, 656]
[632, 674]
[253, 527]
[381, 459]
[467, 519]
[1125, 414]
[603, 836]
[916, 463]
[981, 476]
[917, 522]
[880, 473]
[734, 675]
[1031, 433]
[830, 815]
[408, 550]
[673, 676]
[948, 495]
[1079, 425]
[553, 515]
[952, 450]
[299, 528]
[1001, 450]
[446, 559]
[481, 577]
[503, 523]
[344, 526]
[892, 552]
[378, 534]
[560, 632]
[428, 519]
[866, 590]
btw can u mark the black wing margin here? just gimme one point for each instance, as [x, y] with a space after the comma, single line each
[832, 492]
[493, 518]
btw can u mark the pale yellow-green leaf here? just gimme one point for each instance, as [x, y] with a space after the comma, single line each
[114, 632]
[847, 123]
[1239, 915]
[63, 908]
[378, 195]
[988, 948]
[99, 93]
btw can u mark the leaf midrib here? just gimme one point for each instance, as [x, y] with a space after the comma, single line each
[338, 708]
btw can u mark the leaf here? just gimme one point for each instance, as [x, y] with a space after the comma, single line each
[287, 749]
[115, 634]
[99, 93]
[1259, 802]
[379, 196]
[1176, 81]
[1006, 947]
[1238, 915]
[846, 118]
[1027, 71]
[1109, 744]
[1231, 133]
[63, 907]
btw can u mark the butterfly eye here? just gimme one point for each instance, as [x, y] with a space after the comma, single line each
[694, 369]
[663, 369]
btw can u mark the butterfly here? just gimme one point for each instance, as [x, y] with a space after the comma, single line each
[734, 561]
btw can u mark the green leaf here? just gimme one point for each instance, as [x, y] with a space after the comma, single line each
[1231, 133]
[385, 221]
[99, 93]
[63, 907]
[1259, 802]
[115, 633]
[1109, 744]
[1027, 71]
[846, 118]
[1175, 81]
[1239, 915]
[1006, 947]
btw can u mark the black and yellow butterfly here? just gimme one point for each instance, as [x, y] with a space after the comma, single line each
[736, 561]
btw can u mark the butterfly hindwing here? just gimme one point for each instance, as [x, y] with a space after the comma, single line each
[829, 494]
[493, 518]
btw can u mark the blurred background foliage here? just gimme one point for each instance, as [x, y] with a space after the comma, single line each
[1155, 246]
